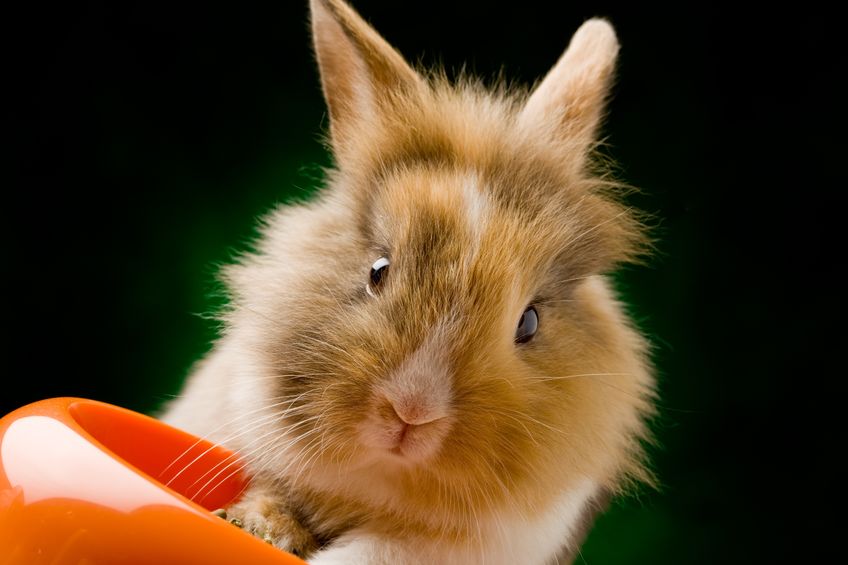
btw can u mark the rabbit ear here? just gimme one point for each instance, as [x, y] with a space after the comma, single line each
[571, 97]
[360, 71]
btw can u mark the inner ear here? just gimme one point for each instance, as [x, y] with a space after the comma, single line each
[360, 72]
[570, 99]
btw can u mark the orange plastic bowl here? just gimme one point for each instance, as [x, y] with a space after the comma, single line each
[86, 482]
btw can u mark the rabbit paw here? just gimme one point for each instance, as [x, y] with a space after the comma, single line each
[264, 517]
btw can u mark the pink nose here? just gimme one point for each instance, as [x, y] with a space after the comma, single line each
[413, 413]
[404, 416]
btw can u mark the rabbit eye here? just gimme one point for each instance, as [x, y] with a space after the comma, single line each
[527, 325]
[378, 272]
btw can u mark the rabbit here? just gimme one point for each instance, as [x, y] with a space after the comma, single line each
[426, 363]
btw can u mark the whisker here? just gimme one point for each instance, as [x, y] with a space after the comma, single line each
[243, 430]
[566, 377]
[241, 458]
[209, 434]
[244, 456]
[268, 446]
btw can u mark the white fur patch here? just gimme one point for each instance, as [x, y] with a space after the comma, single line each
[506, 539]
[477, 204]
[476, 209]
[541, 538]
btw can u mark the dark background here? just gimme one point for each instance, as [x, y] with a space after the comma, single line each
[146, 138]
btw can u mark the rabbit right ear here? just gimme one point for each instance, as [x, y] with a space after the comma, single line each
[360, 71]
[570, 100]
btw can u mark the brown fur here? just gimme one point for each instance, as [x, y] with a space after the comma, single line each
[525, 423]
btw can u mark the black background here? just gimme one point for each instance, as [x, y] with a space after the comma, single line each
[146, 138]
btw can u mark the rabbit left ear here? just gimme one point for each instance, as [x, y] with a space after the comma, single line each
[572, 96]
[360, 71]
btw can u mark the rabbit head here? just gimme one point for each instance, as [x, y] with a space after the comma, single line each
[437, 319]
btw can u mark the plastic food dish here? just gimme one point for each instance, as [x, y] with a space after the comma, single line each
[86, 482]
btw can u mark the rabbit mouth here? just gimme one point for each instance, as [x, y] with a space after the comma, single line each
[401, 441]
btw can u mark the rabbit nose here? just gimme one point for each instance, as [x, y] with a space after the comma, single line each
[414, 412]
